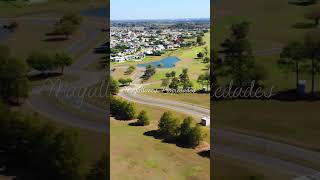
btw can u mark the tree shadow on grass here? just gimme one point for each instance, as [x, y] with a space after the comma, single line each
[205, 153]
[43, 76]
[304, 25]
[55, 39]
[291, 95]
[135, 124]
[155, 134]
[302, 3]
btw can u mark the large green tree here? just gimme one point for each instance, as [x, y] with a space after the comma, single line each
[14, 83]
[67, 25]
[292, 57]
[168, 126]
[122, 109]
[238, 60]
[62, 60]
[113, 86]
[41, 61]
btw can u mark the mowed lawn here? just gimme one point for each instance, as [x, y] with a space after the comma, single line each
[231, 169]
[273, 22]
[120, 72]
[144, 157]
[290, 122]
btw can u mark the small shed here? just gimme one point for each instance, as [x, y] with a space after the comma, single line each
[205, 121]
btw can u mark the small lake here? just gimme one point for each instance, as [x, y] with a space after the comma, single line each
[167, 62]
[99, 12]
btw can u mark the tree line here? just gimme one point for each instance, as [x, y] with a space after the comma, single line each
[170, 129]
[14, 72]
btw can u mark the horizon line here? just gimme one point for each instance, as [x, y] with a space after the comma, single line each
[160, 19]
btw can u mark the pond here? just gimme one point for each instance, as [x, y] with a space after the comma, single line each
[167, 62]
[99, 12]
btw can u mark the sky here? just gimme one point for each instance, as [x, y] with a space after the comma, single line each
[159, 9]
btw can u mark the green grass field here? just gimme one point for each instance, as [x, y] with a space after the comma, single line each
[144, 157]
[290, 122]
[231, 169]
[272, 22]
[32, 37]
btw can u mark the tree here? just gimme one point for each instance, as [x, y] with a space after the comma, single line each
[65, 28]
[196, 135]
[168, 75]
[206, 60]
[238, 61]
[100, 170]
[174, 84]
[173, 74]
[200, 40]
[67, 25]
[168, 126]
[122, 109]
[291, 57]
[62, 60]
[130, 69]
[114, 86]
[14, 83]
[200, 55]
[313, 15]
[206, 52]
[204, 79]
[123, 81]
[165, 82]
[184, 79]
[185, 129]
[72, 18]
[143, 118]
[312, 52]
[150, 71]
[41, 62]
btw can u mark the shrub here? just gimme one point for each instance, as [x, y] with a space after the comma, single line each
[143, 119]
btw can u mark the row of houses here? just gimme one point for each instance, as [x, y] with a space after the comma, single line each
[134, 43]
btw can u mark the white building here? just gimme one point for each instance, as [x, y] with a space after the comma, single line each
[205, 121]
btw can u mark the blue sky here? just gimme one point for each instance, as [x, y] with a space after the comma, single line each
[159, 9]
